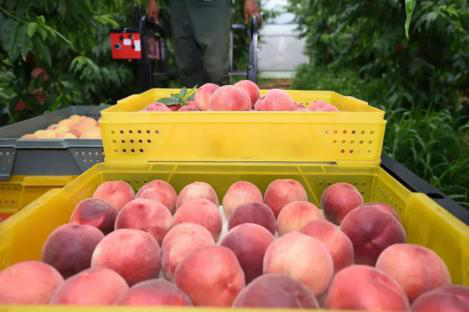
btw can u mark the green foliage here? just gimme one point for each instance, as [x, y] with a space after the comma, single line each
[56, 53]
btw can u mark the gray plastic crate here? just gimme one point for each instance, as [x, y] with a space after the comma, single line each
[48, 157]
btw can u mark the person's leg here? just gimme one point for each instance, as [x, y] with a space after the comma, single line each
[212, 23]
[187, 51]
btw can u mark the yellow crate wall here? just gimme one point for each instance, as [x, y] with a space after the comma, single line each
[353, 135]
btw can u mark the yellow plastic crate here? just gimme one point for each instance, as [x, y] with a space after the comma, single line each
[19, 191]
[426, 223]
[354, 135]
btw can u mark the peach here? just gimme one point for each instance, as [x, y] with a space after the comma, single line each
[239, 193]
[69, 123]
[70, 246]
[295, 215]
[339, 245]
[275, 291]
[66, 136]
[211, 276]
[371, 230]
[61, 129]
[115, 193]
[361, 287]
[155, 292]
[134, 254]
[250, 88]
[188, 108]
[200, 211]
[92, 133]
[28, 282]
[95, 212]
[28, 136]
[146, 215]
[82, 126]
[182, 240]
[204, 94]
[283, 191]
[415, 268]
[384, 207]
[338, 200]
[321, 106]
[197, 190]
[275, 100]
[52, 127]
[45, 134]
[156, 107]
[303, 258]
[454, 298]
[258, 213]
[249, 242]
[96, 286]
[230, 98]
[160, 191]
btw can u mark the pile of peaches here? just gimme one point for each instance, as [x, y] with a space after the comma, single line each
[276, 249]
[243, 96]
[74, 127]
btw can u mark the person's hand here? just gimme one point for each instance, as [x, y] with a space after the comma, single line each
[153, 10]
[252, 9]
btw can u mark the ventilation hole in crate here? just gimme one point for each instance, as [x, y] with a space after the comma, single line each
[354, 184]
[115, 151]
[157, 132]
[82, 153]
[7, 153]
[96, 153]
[122, 141]
[148, 141]
[131, 141]
[132, 150]
[148, 131]
[362, 192]
[353, 131]
[122, 131]
[351, 151]
[371, 132]
[139, 131]
[140, 141]
[369, 151]
[352, 141]
[320, 183]
[361, 141]
[343, 141]
[114, 141]
[141, 150]
[370, 141]
[130, 131]
[342, 151]
[363, 131]
[329, 183]
[113, 132]
[363, 183]
[326, 132]
[124, 150]
[335, 141]
[89, 153]
[335, 131]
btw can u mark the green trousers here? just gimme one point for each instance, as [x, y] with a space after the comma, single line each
[200, 30]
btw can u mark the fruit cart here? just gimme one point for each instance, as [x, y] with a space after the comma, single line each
[221, 148]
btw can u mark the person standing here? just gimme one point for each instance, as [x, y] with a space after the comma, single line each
[200, 31]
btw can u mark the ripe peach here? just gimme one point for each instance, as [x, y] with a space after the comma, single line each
[361, 287]
[197, 190]
[134, 254]
[211, 276]
[239, 193]
[249, 242]
[200, 211]
[275, 100]
[156, 107]
[96, 286]
[28, 136]
[295, 215]
[188, 108]
[321, 106]
[338, 200]
[146, 215]
[258, 213]
[82, 126]
[69, 122]
[283, 191]
[115, 193]
[454, 298]
[52, 127]
[66, 136]
[45, 134]
[250, 88]
[61, 129]
[415, 268]
[70, 246]
[384, 207]
[92, 133]
[339, 245]
[230, 98]
[275, 291]
[371, 230]
[303, 258]
[182, 240]
[95, 212]
[160, 191]
[28, 282]
[155, 292]
[203, 95]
